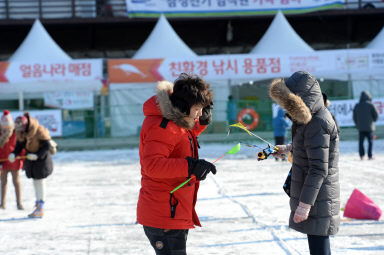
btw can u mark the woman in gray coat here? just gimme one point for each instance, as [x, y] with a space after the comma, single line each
[315, 189]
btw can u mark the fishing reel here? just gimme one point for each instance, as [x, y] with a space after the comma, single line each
[266, 152]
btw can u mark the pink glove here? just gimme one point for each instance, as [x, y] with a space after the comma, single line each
[301, 213]
[283, 149]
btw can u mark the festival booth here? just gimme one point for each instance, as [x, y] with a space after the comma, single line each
[127, 95]
[41, 75]
[133, 81]
[234, 69]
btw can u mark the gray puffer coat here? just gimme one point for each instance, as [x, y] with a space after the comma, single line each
[315, 142]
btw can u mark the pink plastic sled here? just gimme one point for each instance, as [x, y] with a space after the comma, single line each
[359, 206]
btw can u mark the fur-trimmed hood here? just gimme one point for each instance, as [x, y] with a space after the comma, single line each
[167, 110]
[300, 95]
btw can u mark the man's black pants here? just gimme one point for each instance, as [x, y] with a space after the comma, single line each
[167, 242]
[319, 245]
[362, 136]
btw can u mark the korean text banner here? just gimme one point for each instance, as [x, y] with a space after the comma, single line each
[333, 64]
[183, 8]
[343, 111]
[79, 69]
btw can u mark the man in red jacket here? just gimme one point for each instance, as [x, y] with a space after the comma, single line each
[168, 156]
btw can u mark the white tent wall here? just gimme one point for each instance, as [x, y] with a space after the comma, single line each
[9, 91]
[221, 91]
[375, 87]
[126, 105]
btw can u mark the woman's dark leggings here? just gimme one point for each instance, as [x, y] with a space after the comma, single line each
[319, 245]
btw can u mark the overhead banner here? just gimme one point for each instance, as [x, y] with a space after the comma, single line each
[343, 111]
[50, 119]
[197, 8]
[79, 70]
[336, 64]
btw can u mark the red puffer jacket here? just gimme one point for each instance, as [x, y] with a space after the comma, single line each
[164, 145]
[5, 150]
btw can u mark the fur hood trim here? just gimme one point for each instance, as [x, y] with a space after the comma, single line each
[293, 104]
[164, 89]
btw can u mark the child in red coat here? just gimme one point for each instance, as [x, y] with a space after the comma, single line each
[7, 145]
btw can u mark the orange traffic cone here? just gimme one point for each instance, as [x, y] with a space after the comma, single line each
[359, 206]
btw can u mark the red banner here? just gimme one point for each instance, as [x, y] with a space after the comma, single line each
[134, 70]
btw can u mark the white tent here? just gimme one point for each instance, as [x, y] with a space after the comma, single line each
[126, 99]
[38, 45]
[377, 42]
[375, 86]
[163, 42]
[280, 38]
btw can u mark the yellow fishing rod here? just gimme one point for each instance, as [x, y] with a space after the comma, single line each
[266, 152]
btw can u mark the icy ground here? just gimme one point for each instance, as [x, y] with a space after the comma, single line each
[92, 195]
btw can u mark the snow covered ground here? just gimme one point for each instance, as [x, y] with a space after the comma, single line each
[92, 195]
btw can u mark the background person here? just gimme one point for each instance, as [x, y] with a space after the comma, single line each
[38, 165]
[280, 125]
[315, 188]
[7, 145]
[168, 156]
[327, 104]
[365, 114]
[231, 110]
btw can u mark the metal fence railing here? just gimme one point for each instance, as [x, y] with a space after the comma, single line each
[363, 4]
[46, 9]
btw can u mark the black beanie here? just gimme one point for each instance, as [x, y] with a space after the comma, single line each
[189, 90]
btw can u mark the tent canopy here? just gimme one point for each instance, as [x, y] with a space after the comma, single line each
[281, 38]
[377, 42]
[126, 99]
[39, 45]
[163, 42]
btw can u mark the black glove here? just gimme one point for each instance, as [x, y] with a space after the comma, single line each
[200, 168]
[206, 117]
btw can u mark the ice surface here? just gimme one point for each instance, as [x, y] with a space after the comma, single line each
[92, 196]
